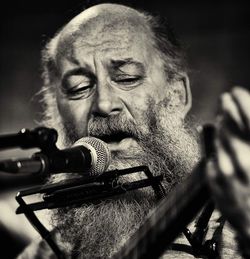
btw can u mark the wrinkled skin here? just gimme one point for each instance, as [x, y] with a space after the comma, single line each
[108, 66]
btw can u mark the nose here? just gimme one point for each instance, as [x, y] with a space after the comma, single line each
[106, 101]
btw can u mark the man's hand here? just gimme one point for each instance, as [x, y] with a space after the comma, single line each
[229, 176]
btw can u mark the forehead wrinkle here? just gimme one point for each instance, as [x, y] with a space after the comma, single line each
[104, 36]
[94, 31]
[102, 46]
[99, 48]
[107, 34]
[95, 43]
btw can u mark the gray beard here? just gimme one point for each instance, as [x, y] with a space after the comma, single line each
[166, 147]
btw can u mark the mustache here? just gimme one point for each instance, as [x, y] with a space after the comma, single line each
[115, 126]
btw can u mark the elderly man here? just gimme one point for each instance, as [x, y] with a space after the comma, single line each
[119, 75]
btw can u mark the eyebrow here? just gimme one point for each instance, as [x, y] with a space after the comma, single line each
[115, 63]
[127, 61]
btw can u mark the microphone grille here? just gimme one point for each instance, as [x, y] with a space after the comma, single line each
[100, 154]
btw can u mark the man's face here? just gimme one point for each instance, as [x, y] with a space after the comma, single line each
[109, 71]
[112, 85]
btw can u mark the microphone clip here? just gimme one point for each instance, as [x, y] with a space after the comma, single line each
[90, 189]
[83, 190]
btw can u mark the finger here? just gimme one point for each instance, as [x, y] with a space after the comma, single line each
[220, 170]
[220, 189]
[237, 153]
[229, 107]
[241, 151]
[242, 99]
[224, 162]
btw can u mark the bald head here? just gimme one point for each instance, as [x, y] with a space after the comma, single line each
[99, 24]
[111, 15]
[114, 19]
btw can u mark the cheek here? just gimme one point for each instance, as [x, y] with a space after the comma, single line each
[136, 102]
[139, 99]
[74, 113]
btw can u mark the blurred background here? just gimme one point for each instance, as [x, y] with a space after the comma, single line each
[216, 35]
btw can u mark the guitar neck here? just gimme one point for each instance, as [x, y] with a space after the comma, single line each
[167, 221]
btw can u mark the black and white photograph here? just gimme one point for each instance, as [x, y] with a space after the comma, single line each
[125, 129]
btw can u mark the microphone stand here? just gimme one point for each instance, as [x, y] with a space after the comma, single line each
[45, 139]
[41, 137]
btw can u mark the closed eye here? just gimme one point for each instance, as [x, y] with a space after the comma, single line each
[80, 91]
[128, 80]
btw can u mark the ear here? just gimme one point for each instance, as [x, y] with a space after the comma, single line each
[181, 95]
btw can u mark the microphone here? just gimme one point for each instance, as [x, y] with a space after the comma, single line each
[88, 155]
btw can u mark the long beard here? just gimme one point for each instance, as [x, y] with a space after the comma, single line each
[165, 146]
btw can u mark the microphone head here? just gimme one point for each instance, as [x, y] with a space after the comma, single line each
[100, 154]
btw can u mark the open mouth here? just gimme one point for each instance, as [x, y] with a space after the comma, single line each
[114, 137]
